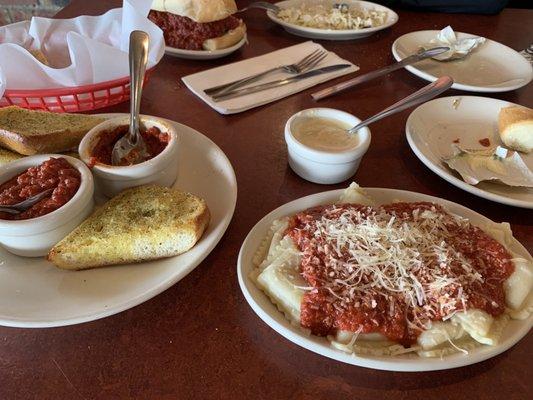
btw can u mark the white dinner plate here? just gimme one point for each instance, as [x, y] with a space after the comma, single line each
[204, 54]
[330, 34]
[432, 127]
[492, 67]
[34, 293]
[268, 312]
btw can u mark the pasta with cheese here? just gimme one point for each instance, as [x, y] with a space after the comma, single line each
[395, 251]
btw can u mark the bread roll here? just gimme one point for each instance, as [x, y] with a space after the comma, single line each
[230, 38]
[39, 55]
[197, 10]
[516, 128]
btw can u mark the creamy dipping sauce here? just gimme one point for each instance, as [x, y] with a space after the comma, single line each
[325, 134]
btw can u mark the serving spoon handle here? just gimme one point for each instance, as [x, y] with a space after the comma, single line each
[414, 58]
[420, 96]
[132, 144]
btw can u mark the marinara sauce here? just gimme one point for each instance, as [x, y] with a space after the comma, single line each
[155, 141]
[333, 305]
[55, 173]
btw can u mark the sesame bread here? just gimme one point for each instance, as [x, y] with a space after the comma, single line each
[142, 223]
[515, 124]
[36, 132]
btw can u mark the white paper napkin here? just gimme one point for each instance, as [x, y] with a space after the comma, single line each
[447, 37]
[198, 82]
[81, 51]
[492, 164]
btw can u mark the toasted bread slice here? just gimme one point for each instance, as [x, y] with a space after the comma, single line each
[143, 223]
[35, 132]
[515, 124]
[6, 156]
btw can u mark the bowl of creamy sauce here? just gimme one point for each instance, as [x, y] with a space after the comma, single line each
[320, 148]
[324, 134]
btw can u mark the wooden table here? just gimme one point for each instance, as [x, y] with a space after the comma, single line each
[200, 339]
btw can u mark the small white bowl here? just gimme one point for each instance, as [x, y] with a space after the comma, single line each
[325, 167]
[34, 237]
[161, 170]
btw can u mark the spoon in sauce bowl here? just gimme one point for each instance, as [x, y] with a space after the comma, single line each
[426, 93]
[131, 148]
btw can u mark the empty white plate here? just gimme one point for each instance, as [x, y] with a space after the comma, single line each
[492, 67]
[204, 54]
[268, 312]
[34, 293]
[432, 127]
[333, 34]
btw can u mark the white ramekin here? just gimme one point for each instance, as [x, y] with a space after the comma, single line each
[34, 237]
[322, 166]
[161, 170]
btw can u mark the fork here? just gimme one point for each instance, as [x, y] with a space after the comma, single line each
[305, 64]
[25, 204]
[261, 4]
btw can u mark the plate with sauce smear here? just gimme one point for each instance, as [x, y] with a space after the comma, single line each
[491, 67]
[472, 123]
[36, 294]
[273, 317]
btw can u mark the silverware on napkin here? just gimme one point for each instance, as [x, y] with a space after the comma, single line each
[305, 64]
[421, 55]
[281, 82]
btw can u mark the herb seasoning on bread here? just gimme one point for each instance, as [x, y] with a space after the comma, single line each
[142, 223]
[30, 132]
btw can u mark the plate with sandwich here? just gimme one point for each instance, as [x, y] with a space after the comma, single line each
[481, 145]
[199, 29]
[131, 248]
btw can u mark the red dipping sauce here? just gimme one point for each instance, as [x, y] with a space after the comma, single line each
[155, 141]
[485, 142]
[55, 173]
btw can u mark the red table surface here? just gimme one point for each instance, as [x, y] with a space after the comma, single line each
[200, 339]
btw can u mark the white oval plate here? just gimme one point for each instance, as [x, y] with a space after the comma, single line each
[330, 34]
[204, 54]
[34, 293]
[432, 127]
[268, 312]
[492, 67]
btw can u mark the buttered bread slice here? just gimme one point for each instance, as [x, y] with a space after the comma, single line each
[142, 223]
[515, 124]
[30, 132]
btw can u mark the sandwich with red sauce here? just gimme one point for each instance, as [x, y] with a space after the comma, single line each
[198, 24]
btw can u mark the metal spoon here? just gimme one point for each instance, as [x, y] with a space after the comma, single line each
[261, 4]
[453, 57]
[426, 93]
[131, 146]
[25, 204]
[422, 54]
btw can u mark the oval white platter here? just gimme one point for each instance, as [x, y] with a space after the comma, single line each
[432, 127]
[268, 312]
[492, 67]
[34, 293]
[204, 54]
[331, 34]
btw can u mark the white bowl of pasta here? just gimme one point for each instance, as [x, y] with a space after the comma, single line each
[471, 337]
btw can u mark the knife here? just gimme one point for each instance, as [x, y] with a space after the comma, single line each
[281, 82]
